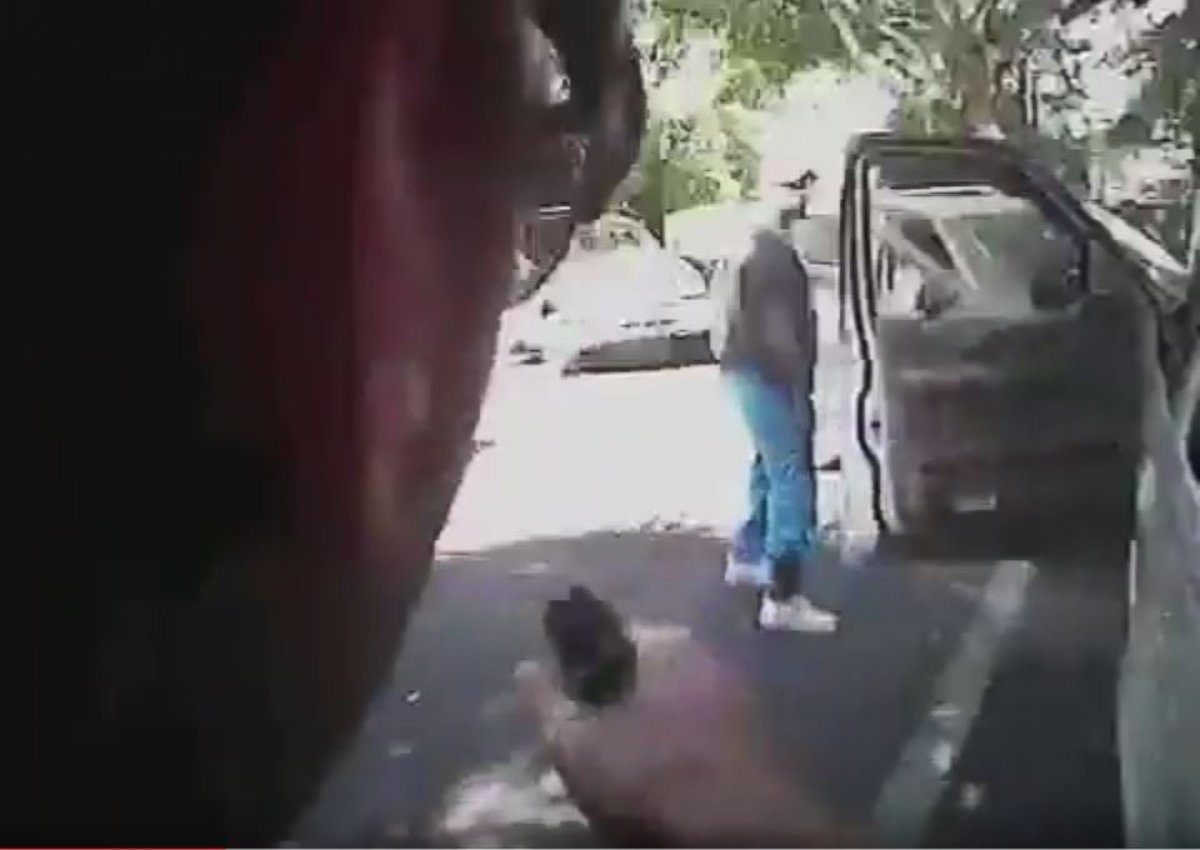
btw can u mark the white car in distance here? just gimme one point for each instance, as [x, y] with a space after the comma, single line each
[619, 300]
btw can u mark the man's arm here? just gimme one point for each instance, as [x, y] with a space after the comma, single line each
[679, 762]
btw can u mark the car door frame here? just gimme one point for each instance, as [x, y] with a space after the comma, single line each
[1000, 165]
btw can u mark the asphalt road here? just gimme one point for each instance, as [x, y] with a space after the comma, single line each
[968, 703]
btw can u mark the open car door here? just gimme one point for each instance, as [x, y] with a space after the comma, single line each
[994, 326]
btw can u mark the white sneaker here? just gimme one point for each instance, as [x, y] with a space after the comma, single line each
[796, 615]
[756, 573]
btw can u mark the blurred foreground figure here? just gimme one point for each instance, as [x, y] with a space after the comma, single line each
[269, 246]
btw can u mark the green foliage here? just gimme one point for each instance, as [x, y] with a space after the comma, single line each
[957, 66]
[740, 152]
[780, 36]
[693, 160]
[1170, 98]
[746, 83]
[947, 59]
[665, 47]
[700, 152]
[1167, 109]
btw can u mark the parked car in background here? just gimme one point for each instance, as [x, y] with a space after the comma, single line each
[619, 300]
[999, 326]
[709, 234]
[1146, 176]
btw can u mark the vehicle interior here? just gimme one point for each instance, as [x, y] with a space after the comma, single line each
[981, 330]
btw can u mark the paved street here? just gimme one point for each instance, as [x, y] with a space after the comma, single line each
[960, 703]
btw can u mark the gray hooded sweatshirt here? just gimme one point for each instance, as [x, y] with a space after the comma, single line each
[765, 321]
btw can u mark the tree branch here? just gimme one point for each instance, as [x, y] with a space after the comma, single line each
[845, 30]
[981, 10]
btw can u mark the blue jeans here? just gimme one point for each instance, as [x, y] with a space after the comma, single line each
[782, 518]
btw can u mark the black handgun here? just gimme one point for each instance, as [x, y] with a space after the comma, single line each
[596, 658]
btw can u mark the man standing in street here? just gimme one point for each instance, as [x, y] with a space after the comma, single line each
[766, 342]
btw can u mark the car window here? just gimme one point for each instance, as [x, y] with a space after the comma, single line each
[1018, 259]
[983, 250]
[920, 271]
[923, 236]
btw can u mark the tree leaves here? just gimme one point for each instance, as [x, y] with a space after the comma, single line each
[947, 55]
[1169, 100]
[958, 66]
[699, 148]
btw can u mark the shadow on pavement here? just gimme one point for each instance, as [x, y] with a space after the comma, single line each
[446, 757]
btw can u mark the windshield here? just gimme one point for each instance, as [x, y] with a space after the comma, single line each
[997, 252]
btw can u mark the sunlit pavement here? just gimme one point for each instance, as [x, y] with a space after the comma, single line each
[967, 703]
